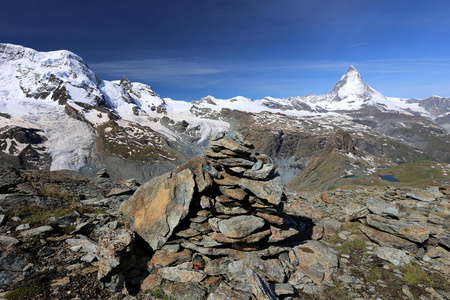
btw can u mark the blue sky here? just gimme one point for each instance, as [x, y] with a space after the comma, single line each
[254, 48]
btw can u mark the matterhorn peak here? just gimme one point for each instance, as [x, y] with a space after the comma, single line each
[351, 69]
[349, 84]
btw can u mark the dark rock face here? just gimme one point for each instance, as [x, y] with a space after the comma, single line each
[23, 147]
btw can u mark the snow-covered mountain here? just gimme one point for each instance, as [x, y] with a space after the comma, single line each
[56, 113]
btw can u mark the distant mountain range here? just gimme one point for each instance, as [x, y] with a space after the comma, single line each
[56, 113]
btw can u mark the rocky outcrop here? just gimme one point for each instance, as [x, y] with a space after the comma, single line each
[159, 206]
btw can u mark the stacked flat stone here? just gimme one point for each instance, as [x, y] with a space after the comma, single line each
[241, 208]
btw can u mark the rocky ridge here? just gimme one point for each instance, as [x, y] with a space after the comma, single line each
[222, 227]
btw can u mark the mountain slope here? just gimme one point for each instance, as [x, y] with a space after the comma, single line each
[85, 123]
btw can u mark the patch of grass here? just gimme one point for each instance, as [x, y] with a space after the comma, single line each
[337, 292]
[160, 294]
[68, 197]
[412, 274]
[90, 210]
[438, 281]
[38, 215]
[352, 227]
[352, 246]
[374, 274]
[30, 287]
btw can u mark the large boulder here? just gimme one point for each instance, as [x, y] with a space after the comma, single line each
[159, 206]
[314, 260]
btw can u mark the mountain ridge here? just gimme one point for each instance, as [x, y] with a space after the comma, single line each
[129, 124]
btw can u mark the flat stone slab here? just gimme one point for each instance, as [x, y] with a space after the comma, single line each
[240, 226]
[271, 190]
[382, 208]
[410, 231]
[314, 260]
[388, 240]
[181, 275]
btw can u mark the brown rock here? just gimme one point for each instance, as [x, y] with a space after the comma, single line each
[273, 219]
[158, 206]
[111, 245]
[237, 194]
[388, 240]
[230, 209]
[227, 179]
[151, 282]
[280, 235]
[166, 259]
[317, 232]
[202, 179]
[260, 288]
[231, 145]
[314, 260]
[181, 275]
[187, 233]
[410, 231]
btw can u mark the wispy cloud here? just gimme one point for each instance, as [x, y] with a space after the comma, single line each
[156, 67]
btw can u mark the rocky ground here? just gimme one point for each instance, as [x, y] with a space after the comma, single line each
[219, 227]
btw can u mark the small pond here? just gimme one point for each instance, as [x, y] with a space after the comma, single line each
[389, 178]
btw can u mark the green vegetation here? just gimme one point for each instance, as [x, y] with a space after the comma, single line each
[412, 274]
[352, 246]
[337, 292]
[160, 294]
[68, 197]
[30, 287]
[420, 174]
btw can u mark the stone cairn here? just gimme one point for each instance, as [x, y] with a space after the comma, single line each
[219, 216]
[241, 208]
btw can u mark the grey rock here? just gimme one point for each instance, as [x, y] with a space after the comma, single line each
[82, 244]
[36, 231]
[271, 190]
[383, 208]
[395, 256]
[229, 209]
[411, 231]
[283, 289]
[181, 275]
[23, 227]
[241, 140]
[260, 288]
[236, 162]
[10, 201]
[111, 245]
[314, 260]
[3, 219]
[184, 291]
[240, 226]
[270, 270]
[266, 172]
[226, 292]
[12, 263]
[218, 266]
[212, 171]
[8, 240]
[331, 227]
[428, 195]
[45, 251]
[388, 240]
